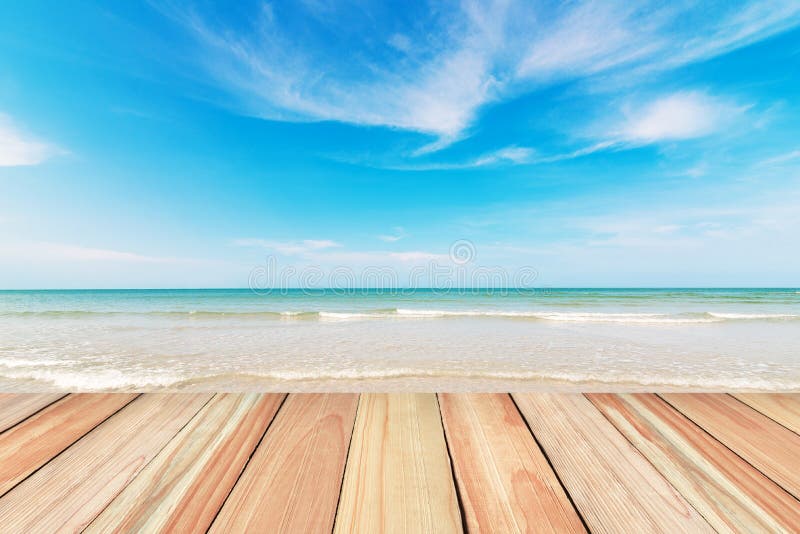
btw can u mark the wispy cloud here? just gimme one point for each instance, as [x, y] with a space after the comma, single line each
[379, 257]
[683, 115]
[433, 86]
[673, 117]
[288, 248]
[510, 155]
[780, 159]
[18, 148]
[435, 76]
[326, 252]
[399, 233]
[623, 41]
[45, 251]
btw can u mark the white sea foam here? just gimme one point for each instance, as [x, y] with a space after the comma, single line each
[110, 379]
[76, 379]
[343, 316]
[753, 315]
[30, 362]
[578, 317]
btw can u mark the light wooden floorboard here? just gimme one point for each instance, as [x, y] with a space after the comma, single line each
[783, 408]
[768, 446]
[398, 476]
[175, 463]
[730, 494]
[32, 443]
[184, 486]
[293, 479]
[67, 493]
[615, 488]
[505, 482]
[16, 407]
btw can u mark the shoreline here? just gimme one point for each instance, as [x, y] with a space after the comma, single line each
[243, 384]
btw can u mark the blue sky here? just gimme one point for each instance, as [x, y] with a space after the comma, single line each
[604, 144]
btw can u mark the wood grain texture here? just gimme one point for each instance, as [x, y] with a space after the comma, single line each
[783, 408]
[32, 443]
[67, 493]
[184, 486]
[292, 481]
[505, 482]
[769, 447]
[730, 494]
[615, 488]
[16, 407]
[398, 476]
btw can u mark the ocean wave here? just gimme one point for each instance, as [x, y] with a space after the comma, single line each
[29, 362]
[745, 316]
[598, 317]
[347, 316]
[357, 379]
[93, 379]
[408, 313]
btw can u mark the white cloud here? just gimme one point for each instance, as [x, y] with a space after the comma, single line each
[399, 233]
[683, 115]
[510, 155]
[400, 42]
[627, 39]
[417, 256]
[288, 248]
[331, 253]
[585, 151]
[378, 257]
[18, 148]
[590, 37]
[434, 76]
[673, 117]
[780, 159]
[43, 251]
[276, 76]
[390, 238]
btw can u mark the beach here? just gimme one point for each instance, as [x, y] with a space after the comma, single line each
[420, 340]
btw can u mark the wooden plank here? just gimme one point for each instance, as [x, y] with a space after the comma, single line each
[67, 493]
[769, 447]
[781, 407]
[16, 407]
[184, 486]
[292, 482]
[615, 488]
[730, 494]
[505, 482]
[32, 443]
[398, 476]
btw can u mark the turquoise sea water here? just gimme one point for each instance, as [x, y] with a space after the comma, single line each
[403, 339]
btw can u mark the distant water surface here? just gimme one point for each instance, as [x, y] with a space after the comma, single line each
[458, 340]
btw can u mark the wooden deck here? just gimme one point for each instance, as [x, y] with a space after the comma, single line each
[400, 463]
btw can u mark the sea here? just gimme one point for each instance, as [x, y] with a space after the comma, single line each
[547, 339]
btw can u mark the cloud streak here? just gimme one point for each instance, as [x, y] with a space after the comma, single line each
[331, 253]
[45, 251]
[673, 117]
[435, 76]
[399, 233]
[288, 248]
[510, 155]
[20, 149]
[682, 115]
